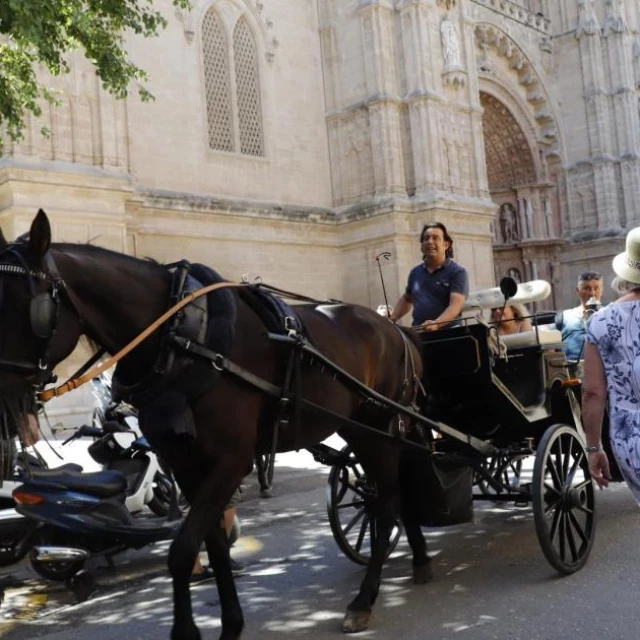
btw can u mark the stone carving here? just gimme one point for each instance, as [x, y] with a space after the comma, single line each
[186, 17]
[614, 17]
[515, 274]
[528, 213]
[450, 45]
[508, 223]
[548, 218]
[447, 4]
[587, 20]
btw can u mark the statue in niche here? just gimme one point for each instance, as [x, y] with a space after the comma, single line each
[528, 212]
[515, 274]
[508, 223]
[450, 44]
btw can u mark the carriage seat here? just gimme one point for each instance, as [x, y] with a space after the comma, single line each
[543, 337]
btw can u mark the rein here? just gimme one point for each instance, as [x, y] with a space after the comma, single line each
[77, 381]
[74, 383]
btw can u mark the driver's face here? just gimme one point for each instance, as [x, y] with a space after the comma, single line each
[434, 246]
[589, 289]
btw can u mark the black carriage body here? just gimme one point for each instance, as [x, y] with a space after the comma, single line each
[507, 398]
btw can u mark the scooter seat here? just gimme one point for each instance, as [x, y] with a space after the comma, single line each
[102, 484]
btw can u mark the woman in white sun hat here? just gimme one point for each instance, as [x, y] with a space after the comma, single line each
[612, 364]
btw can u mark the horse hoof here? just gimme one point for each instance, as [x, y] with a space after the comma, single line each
[266, 493]
[191, 633]
[356, 621]
[422, 573]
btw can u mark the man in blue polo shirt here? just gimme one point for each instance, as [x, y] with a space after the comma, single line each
[438, 287]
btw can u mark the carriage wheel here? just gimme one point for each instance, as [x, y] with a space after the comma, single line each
[505, 471]
[563, 499]
[350, 498]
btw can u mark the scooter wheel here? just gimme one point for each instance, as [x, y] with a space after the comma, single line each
[59, 571]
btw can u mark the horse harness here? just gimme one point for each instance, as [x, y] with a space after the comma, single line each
[282, 324]
[44, 309]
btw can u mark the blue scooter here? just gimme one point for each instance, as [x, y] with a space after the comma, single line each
[81, 515]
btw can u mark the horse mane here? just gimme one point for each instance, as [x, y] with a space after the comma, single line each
[92, 249]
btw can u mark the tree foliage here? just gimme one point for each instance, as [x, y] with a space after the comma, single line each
[37, 33]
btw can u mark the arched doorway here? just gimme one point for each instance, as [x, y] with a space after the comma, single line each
[526, 226]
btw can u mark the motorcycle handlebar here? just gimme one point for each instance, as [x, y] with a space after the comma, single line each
[84, 431]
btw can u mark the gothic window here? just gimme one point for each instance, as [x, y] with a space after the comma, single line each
[232, 84]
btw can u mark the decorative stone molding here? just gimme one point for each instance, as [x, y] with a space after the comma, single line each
[189, 19]
[186, 17]
[615, 20]
[518, 13]
[587, 20]
[446, 4]
[636, 62]
[490, 37]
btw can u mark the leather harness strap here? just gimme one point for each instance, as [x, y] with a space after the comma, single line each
[74, 383]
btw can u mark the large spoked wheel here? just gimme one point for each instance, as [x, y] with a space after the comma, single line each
[505, 471]
[563, 499]
[350, 499]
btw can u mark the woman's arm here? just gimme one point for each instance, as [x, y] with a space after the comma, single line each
[594, 396]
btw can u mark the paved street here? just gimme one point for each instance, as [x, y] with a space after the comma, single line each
[492, 582]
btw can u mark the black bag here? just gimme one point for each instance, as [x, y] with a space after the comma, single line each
[438, 491]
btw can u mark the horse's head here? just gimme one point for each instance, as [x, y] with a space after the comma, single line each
[38, 323]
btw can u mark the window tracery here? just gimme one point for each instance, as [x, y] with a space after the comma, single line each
[232, 86]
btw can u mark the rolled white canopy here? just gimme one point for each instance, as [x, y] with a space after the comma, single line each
[533, 291]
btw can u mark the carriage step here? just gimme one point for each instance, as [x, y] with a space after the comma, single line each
[324, 454]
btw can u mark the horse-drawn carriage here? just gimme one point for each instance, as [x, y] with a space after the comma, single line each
[239, 373]
[496, 401]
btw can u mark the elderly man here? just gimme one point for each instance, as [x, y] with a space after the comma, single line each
[572, 321]
[438, 287]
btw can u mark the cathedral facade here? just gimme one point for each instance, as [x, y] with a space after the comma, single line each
[298, 140]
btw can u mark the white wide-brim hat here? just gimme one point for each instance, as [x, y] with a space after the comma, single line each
[627, 264]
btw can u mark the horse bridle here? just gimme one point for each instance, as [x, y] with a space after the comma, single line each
[44, 310]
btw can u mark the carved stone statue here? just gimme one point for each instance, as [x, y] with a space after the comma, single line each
[450, 44]
[508, 223]
[515, 274]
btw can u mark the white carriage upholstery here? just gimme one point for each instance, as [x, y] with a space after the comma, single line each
[543, 337]
[533, 291]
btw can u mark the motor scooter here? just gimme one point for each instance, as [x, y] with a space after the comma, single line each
[82, 515]
[16, 531]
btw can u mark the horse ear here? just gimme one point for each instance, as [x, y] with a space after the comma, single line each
[3, 242]
[40, 235]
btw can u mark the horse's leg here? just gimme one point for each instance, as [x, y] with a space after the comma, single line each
[422, 572]
[182, 556]
[203, 521]
[380, 463]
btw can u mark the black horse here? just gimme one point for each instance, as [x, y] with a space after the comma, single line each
[51, 294]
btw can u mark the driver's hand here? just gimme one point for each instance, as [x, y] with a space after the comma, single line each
[599, 468]
[430, 325]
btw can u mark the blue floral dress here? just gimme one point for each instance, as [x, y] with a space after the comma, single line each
[615, 330]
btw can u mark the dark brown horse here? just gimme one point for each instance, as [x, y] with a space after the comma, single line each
[111, 298]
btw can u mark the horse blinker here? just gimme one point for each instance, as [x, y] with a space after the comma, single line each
[42, 313]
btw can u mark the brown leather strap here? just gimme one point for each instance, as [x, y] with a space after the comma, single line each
[56, 392]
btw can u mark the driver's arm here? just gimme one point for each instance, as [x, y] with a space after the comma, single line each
[402, 307]
[456, 302]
